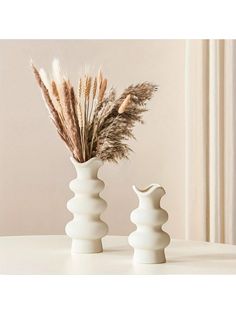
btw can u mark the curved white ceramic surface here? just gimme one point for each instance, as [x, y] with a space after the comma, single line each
[86, 229]
[149, 240]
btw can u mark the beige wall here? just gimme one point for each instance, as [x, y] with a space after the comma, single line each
[34, 164]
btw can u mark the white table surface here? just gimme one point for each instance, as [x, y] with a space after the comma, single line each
[51, 255]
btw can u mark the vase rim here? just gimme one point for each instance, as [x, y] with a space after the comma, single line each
[85, 163]
[149, 189]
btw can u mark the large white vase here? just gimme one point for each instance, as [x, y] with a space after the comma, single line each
[86, 229]
[149, 240]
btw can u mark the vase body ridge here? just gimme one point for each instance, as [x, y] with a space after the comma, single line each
[149, 240]
[86, 228]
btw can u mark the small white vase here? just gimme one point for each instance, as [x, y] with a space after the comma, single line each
[86, 229]
[149, 240]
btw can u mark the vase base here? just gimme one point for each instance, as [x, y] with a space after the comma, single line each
[86, 246]
[149, 256]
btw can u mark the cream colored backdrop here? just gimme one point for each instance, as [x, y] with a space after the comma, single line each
[34, 163]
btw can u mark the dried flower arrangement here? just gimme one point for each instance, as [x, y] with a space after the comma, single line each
[90, 119]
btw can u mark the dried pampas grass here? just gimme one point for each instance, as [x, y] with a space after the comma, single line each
[91, 120]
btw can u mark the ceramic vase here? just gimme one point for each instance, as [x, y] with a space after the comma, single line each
[149, 240]
[86, 229]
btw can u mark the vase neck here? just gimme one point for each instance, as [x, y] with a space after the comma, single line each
[150, 197]
[88, 169]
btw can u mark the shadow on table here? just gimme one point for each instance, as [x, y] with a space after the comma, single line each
[117, 250]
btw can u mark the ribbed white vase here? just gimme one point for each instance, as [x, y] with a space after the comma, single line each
[86, 229]
[149, 240]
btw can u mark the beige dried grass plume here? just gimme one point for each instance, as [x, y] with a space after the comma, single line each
[91, 120]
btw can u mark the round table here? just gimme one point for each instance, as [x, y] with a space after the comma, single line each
[51, 255]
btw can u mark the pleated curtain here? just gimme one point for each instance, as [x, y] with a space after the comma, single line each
[210, 142]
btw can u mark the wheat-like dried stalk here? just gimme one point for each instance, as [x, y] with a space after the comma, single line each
[124, 104]
[94, 87]
[55, 91]
[80, 87]
[93, 122]
[102, 90]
